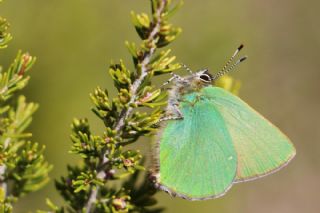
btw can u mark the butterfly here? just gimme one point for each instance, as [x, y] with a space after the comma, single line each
[211, 139]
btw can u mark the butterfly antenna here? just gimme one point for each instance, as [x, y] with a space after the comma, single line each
[232, 57]
[186, 68]
[223, 72]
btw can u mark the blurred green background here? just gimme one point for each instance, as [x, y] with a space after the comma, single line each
[75, 40]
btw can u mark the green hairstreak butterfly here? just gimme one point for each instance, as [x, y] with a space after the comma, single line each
[211, 139]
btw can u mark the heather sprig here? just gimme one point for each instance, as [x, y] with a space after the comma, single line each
[132, 113]
[23, 168]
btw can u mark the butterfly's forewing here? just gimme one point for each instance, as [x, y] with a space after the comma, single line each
[261, 147]
[197, 157]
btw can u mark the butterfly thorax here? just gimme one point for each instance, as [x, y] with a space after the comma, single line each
[186, 85]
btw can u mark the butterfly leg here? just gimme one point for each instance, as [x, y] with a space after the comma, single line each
[173, 113]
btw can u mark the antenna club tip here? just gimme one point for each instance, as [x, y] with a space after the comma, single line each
[240, 47]
[243, 58]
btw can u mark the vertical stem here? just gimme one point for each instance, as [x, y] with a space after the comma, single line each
[125, 113]
[3, 184]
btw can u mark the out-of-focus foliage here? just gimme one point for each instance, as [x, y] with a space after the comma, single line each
[229, 83]
[23, 168]
[5, 37]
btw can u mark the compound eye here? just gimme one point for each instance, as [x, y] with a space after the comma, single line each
[205, 78]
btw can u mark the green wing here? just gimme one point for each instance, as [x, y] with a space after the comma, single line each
[197, 157]
[261, 147]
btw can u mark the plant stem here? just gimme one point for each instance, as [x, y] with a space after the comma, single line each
[144, 71]
[3, 183]
[125, 113]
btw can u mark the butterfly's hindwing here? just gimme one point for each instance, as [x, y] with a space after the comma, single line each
[197, 157]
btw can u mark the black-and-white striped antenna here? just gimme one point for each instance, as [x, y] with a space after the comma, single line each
[186, 68]
[226, 68]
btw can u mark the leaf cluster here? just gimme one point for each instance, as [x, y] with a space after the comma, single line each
[5, 37]
[23, 168]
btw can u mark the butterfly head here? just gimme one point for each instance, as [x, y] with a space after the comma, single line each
[204, 76]
[196, 81]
